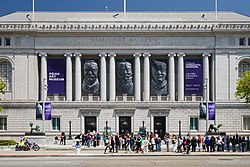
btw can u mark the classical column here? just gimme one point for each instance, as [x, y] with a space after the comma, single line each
[137, 79]
[206, 73]
[146, 93]
[78, 90]
[171, 77]
[68, 76]
[180, 77]
[44, 75]
[112, 84]
[103, 76]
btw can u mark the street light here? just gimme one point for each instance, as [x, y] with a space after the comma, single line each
[206, 92]
[70, 136]
[106, 129]
[179, 128]
[44, 88]
[143, 124]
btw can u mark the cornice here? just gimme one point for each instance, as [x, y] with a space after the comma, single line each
[124, 27]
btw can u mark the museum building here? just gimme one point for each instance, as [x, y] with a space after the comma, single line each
[124, 72]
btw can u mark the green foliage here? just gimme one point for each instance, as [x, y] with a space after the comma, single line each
[7, 142]
[243, 87]
[2, 86]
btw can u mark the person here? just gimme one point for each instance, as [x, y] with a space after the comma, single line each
[159, 84]
[146, 143]
[139, 144]
[125, 83]
[63, 138]
[199, 142]
[166, 139]
[112, 145]
[90, 82]
[56, 139]
[108, 146]
[117, 143]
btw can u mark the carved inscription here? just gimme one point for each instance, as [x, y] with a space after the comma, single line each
[124, 41]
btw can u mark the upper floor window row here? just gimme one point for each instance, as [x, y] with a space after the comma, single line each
[243, 41]
[5, 41]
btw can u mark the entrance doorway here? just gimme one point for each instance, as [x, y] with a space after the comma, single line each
[90, 124]
[124, 125]
[160, 126]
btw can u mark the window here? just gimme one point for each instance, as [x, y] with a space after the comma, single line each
[6, 41]
[3, 123]
[0, 41]
[248, 41]
[194, 123]
[6, 73]
[244, 66]
[56, 123]
[242, 41]
[246, 123]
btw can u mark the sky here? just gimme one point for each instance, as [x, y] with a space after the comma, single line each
[240, 6]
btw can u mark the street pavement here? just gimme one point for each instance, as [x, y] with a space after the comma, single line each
[69, 151]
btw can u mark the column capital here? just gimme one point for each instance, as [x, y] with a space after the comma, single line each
[181, 54]
[112, 55]
[103, 55]
[137, 54]
[206, 54]
[171, 55]
[68, 54]
[77, 54]
[43, 54]
[146, 54]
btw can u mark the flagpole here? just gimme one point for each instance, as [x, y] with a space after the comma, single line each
[33, 10]
[125, 8]
[216, 9]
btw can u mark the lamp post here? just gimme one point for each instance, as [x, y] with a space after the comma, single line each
[206, 92]
[106, 129]
[143, 124]
[179, 128]
[44, 88]
[70, 136]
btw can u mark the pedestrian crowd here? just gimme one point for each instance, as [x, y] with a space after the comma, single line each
[129, 142]
[208, 143]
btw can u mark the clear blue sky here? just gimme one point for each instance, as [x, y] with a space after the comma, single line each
[240, 6]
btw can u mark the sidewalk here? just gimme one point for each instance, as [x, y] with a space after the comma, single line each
[69, 151]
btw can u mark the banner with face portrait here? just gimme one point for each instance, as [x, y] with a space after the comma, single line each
[39, 111]
[159, 83]
[193, 77]
[90, 79]
[124, 77]
[56, 76]
[203, 111]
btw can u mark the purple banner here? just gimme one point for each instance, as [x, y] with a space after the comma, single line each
[47, 110]
[56, 76]
[211, 111]
[193, 77]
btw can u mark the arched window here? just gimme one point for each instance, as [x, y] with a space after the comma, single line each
[6, 73]
[244, 66]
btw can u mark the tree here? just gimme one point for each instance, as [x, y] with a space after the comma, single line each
[2, 88]
[243, 87]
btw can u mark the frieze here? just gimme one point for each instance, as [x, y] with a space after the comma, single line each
[97, 27]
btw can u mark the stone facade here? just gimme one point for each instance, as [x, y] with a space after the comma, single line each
[33, 43]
